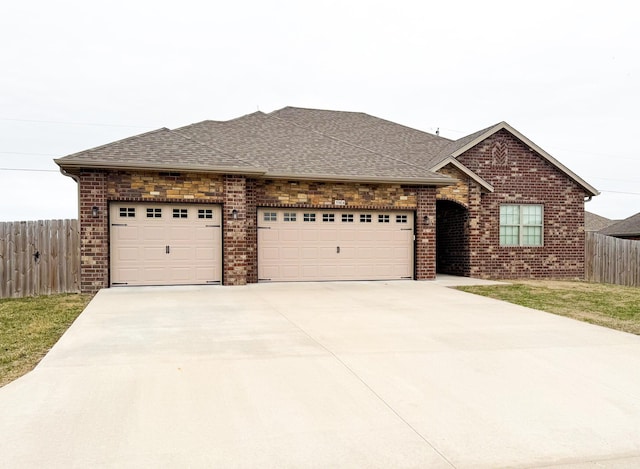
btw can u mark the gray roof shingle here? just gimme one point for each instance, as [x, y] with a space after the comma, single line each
[627, 227]
[593, 222]
[379, 135]
[161, 148]
[288, 149]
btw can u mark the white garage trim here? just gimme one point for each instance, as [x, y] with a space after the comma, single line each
[165, 244]
[315, 245]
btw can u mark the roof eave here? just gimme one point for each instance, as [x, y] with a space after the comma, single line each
[452, 161]
[503, 125]
[430, 181]
[68, 165]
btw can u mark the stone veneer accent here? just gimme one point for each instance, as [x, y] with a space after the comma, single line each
[525, 178]
[323, 194]
[165, 186]
[458, 192]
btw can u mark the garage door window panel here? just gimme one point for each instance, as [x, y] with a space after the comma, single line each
[127, 212]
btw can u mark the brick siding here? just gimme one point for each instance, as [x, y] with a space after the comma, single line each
[521, 176]
[235, 258]
[426, 233]
[94, 232]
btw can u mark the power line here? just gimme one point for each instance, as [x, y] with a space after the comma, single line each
[71, 123]
[31, 169]
[25, 153]
[621, 192]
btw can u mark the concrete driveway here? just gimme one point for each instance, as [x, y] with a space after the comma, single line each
[358, 374]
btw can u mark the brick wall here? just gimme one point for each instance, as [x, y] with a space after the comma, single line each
[519, 175]
[452, 238]
[244, 196]
[426, 233]
[234, 231]
[94, 232]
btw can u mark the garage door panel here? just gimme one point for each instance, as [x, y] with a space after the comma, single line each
[289, 235]
[152, 253]
[308, 233]
[139, 254]
[152, 233]
[308, 250]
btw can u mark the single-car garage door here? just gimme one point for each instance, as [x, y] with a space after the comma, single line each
[170, 244]
[310, 245]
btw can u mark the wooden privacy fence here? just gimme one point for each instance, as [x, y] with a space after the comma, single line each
[39, 258]
[612, 260]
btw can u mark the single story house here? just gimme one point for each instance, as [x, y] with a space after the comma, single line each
[311, 195]
[629, 228]
[595, 222]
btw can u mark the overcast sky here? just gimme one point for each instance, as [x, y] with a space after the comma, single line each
[78, 74]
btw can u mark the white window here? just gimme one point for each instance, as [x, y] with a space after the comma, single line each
[290, 216]
[127, 212]
[521, 225]
[270, 216]
[347, 218]
[401, 219]
[383, 218]
[328, 217]
[309, 217]
[365, 218]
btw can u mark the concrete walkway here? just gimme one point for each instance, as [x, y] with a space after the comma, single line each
[324, 375]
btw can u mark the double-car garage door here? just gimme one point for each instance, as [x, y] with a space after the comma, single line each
[179, 244]
[312, 245]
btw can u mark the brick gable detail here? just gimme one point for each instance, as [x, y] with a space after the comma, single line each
[521, 176]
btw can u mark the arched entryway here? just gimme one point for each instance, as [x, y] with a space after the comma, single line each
[452, 238]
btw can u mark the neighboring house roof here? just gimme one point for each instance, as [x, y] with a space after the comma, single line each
[158, 149]
[593, 222]
[627, 227]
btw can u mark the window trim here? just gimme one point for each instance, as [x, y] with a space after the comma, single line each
[521, 225]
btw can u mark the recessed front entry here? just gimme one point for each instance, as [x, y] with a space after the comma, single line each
[165, 244]
[312, 245]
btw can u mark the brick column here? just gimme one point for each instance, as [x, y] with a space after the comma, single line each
[235, 257]
[426, 233]
[94, 234]
[252, 232]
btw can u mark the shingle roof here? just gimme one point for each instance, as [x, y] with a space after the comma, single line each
[162, 148]
[299, 143]
[407, 144]
[627, 227]
[593, 222]
[288, 149]
[379, 135]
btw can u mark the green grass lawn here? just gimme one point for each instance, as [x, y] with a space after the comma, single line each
[29, 327]
[607, 305]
